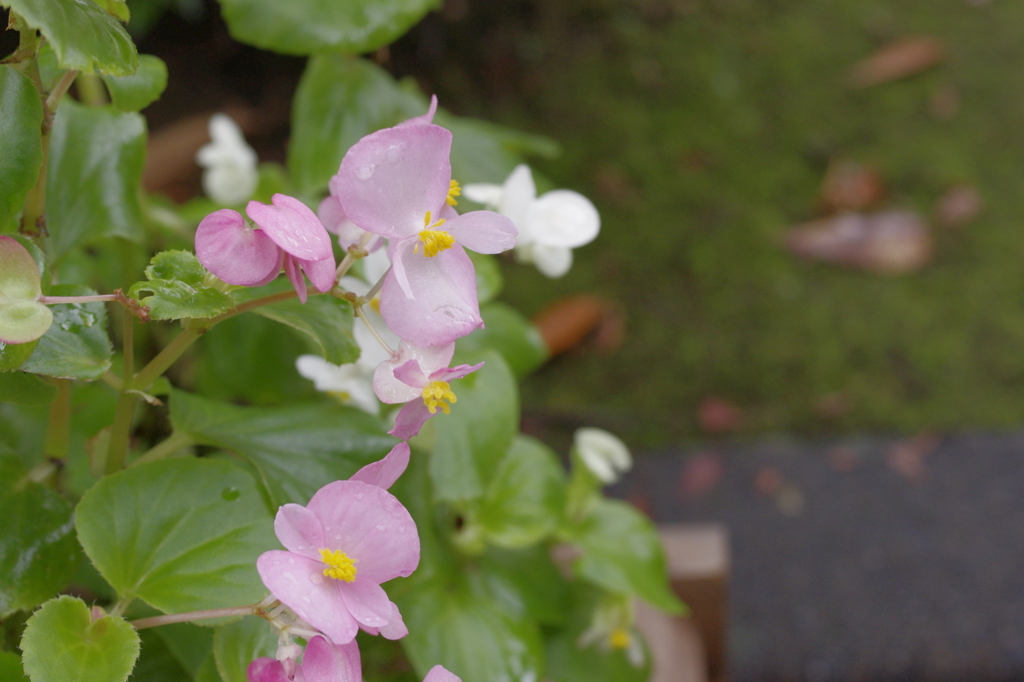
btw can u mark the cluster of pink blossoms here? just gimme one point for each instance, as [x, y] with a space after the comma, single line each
[394, 186]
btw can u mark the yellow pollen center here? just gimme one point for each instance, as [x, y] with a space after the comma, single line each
[435, 394]
[434, 241]
[619, 639]
[339, 566]
[453, 191]
[343, 396]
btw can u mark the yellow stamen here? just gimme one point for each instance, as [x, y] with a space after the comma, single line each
[435, 394]
[339, 565]
[619, 639]
[453, 191]
[342, 396]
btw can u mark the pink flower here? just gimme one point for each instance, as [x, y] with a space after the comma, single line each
[288, 234]
[420, 378]
[397, 183]
[350, 538]
[322, 662]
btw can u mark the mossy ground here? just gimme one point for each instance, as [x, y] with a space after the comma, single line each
[702, 130]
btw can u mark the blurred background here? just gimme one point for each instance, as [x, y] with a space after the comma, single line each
[808, 277]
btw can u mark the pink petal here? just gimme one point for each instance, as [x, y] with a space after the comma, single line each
[291, 269]
[234, 252]
[483, 231]
[325, 662]
[447, 374]
[293, 227]
[390, 389]
[440, 674]
[369, 525]
[331, 214]
[410, 374]
[300, 583]
[395, 629]
[410, 420]
[391, 178]
[367, 602]
[385, 472]
[299, 531]
[266, 670]
[425, 118]
[320, 272]
[445, 307]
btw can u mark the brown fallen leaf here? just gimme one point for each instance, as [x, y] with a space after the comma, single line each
[700, 474]
[899, 59]
[889, 242]
[907, 457]
[850, 186]
[958, 206]
[565, 323]
[718, 415]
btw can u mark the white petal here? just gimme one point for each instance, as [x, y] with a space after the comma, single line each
[553, 261]
[375, 265]
[519, 193]
[483, 193]
[563, 218]
[603, 453]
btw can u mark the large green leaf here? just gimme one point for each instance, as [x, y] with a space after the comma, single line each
[309, 26]
[84, 36]
[21, 115]
[38, 551]
[324, 319]
[508, 332]
[296, 449]
[455, 623]
[177, 288]
[76, 345]
[181, 534]
[22, 317]
[156, 662]
[142, 88]
[189, 644]
[526, 582]
[339, 100]
[472, 440]
[525, 499]
[486, 152]
[10, 667]
[238, 644]
[14, 355]
[94, 176]
[622, 553]
[63, 644]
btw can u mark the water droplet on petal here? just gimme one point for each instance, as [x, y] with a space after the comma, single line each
[337, 537]
[315, 578]
[360, 496]
[381, 527]
[401, 529]
[364, 172]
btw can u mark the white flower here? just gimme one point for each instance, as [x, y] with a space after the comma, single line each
[550, 226]
[348, 383]
[604, 454]
[230, 175]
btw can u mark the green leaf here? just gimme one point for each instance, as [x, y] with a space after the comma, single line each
[622, 553]
[296, 449]
[238, 644]
[339, 100]
[21, 115]
[14, 355]
[181, 534]
[488, 276]
[324, 319]
[527, 582]
[190, 645]
[10, 667]
[472, 440]
[38, 551]
[115, 8]
[486, 152]
[140, 89]
[94, 175]
[156, 662]
[508, 332]
[22, 317]
[63, 644]
[456, 624]
[25, 389]
[76, 346]
[525, 499]
[308, 26]
[177, 290]
[84, 36]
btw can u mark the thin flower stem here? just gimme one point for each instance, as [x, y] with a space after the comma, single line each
[158, 365]
[351, 257]
[362, 316]
[120, 431]
[165, 448]
[54, 300]
[58, 90]
[113, 381]
[376, 287]
[154, 621]
[91, 90]
[58, 424]
[128, 351]
[258, 302]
